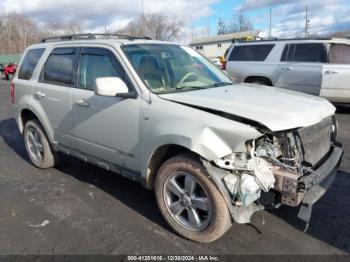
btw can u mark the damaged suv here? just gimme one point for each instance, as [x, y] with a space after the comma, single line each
[214, 152]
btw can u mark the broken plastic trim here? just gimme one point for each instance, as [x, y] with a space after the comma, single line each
[241, 214]
[242, 176]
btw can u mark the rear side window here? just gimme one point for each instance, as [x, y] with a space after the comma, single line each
[59, 66]
[250, 52]
[29, 63]
[285, 53]
[288, 52]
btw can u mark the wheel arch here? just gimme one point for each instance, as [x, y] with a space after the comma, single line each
[159, 156]
[251, 79]
[27, 114]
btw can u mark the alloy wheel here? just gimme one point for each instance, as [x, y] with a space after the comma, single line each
[187, 201]
[35, 144]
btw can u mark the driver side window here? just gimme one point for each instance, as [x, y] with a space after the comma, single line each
[95, 65]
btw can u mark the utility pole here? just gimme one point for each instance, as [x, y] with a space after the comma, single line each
[270, 23]
[307, 21]
[143, 18]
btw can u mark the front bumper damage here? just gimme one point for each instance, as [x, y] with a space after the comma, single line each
[316, 184]
[289, 189]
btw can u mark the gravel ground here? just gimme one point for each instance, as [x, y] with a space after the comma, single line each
[77, 208]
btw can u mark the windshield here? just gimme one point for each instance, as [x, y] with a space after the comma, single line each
[173, 68]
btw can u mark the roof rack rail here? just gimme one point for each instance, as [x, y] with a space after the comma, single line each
[287, 39]
[91, 36]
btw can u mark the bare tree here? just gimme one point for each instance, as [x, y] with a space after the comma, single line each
[59, 27]
[156, 26]
[17, 32]
[239, 23]
[222, 27]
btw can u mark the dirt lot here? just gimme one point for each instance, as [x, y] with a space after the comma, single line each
[86, 210]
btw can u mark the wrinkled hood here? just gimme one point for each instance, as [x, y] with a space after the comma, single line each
[277, 109]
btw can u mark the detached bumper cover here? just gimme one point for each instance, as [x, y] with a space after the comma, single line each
[318, 182]
[321, 179]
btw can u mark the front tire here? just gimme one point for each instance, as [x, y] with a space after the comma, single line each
[38, 146]
[189, 200]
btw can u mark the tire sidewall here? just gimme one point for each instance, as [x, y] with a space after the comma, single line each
[47, 155]
[220, 218]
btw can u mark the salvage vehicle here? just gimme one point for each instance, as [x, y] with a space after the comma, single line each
[162, 114]
[319, 66]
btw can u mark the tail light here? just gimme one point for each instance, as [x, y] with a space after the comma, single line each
[223, 66]
[12, 90]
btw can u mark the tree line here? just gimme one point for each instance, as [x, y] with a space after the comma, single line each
[18, 31]
[239, 23]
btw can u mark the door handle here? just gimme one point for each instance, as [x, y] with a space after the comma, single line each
[287, 68]
[39, 95]
[329, 72]
[82, 103]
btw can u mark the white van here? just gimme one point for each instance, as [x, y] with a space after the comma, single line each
[314, 66]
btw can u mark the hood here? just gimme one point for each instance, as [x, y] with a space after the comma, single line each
[277, 109]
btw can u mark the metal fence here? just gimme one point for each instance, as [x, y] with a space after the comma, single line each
[5, 59]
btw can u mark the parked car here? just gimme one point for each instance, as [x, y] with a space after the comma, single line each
[9, 70]
[315, 66]
[162, 114]
[217, 62]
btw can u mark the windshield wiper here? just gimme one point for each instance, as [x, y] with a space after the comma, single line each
[218, 84]
[222, 84]
[191, 87]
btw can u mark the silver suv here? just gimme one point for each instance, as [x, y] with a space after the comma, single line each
[314, 66]
[164, 115]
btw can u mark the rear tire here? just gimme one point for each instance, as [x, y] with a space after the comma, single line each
[205, 206]
[38, 146]
[259, 81]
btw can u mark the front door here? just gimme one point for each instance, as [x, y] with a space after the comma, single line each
[105, 127]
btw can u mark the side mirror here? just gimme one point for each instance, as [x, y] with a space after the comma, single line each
[111, 86]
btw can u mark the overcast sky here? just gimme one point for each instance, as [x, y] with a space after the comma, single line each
[201, 16]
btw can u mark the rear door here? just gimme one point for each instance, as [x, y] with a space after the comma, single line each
[301, 67]
[24, 80]
[105, 127]
[336, 74]
[52, 92]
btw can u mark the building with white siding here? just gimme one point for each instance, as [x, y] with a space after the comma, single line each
[215, 46]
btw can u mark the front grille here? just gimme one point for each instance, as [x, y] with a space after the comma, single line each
[316, 140]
